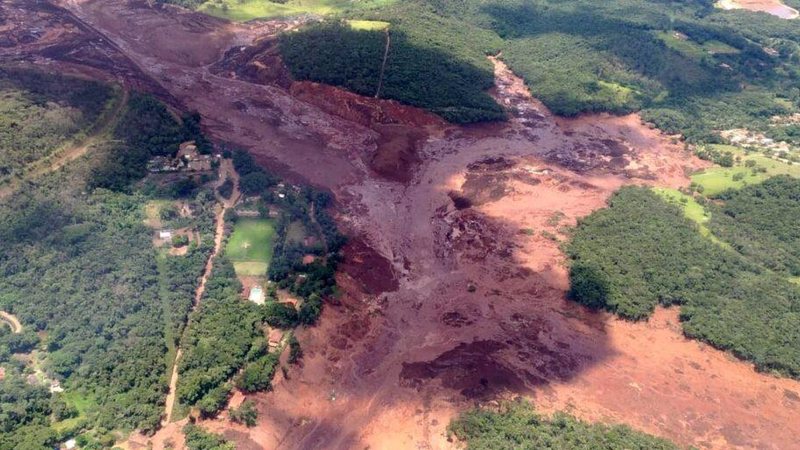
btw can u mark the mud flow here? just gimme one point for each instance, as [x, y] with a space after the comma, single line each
[452, 289]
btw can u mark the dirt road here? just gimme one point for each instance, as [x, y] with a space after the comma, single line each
[226, 172]
[453, 286]
[12, 321]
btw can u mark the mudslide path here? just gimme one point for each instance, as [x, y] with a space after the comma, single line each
[226, 172]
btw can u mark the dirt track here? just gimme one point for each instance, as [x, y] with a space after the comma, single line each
[226, 172]
[12, 321]
[453, 286]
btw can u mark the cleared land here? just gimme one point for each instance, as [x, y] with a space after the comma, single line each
[250, 246]
[715, 180]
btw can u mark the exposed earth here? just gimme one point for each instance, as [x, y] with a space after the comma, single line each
[453, 287]
[774, 7]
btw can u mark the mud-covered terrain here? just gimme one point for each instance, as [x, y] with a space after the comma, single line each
[453, 287]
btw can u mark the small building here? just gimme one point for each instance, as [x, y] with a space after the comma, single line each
[70, 444]
[165, 234]
[257, 295]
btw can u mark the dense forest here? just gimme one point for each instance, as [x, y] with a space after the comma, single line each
[516, 425]
[100, 306]
[734, 293]
[422, 67]
[689, 67]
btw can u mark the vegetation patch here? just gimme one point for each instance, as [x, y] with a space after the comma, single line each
[517, 425]
[244, 10]
[40, 112]
[642, 251]
[431, 63]
[368, 25]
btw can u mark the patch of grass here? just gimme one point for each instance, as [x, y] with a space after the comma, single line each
[691, 209]
[83, 403]
[681, 44]
[250, 268]
[716, 180]
[251, 240]
[720, 48]
[369, 25]
[152, 212]
[244, 10]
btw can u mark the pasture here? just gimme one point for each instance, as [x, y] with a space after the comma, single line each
[250, 246]
[715, 180]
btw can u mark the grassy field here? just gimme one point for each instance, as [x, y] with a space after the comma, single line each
[719, 179]
[691, 209]
[369, 25]
[683, 44]
[84, 404]
[244, 10]
[250, 246]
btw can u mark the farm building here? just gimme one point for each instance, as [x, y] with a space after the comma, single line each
[257, 295]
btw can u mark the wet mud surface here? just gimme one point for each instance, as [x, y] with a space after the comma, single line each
[452, 289]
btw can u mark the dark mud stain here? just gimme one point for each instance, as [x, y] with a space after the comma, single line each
[456, 319]
[373, 272]
[474, 369]
[459, 201]
[594, 154]
[242, 440]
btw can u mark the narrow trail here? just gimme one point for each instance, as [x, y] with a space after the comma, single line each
[12, 321]
[383, 64]
[227, 172]
[61, 158]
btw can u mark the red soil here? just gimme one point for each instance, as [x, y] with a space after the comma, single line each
[450, 292]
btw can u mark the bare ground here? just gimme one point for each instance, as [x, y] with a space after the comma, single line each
[452, 295]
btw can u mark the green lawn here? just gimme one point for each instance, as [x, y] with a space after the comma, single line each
[718, 179]
[85, 404]
[244, 10]
[691, 209]
[368, 25]
[250, 246]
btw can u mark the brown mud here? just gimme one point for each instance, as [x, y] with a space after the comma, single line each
[452, 291]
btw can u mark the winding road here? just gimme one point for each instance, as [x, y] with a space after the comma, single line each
[12, 321]
[226, 172]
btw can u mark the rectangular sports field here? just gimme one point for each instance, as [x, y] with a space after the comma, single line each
[250, 246]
